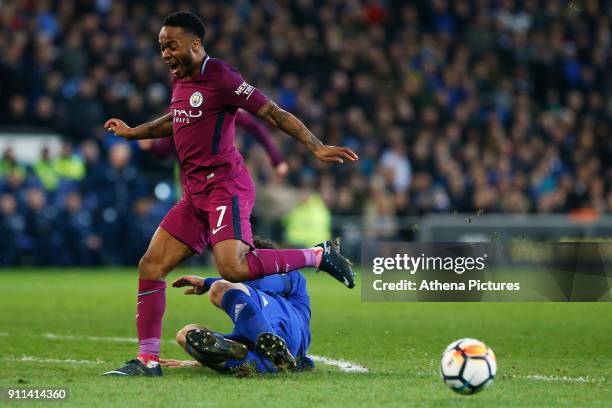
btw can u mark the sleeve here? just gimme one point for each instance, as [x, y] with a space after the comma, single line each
[234, 92]
[261, 134]
[208, 283]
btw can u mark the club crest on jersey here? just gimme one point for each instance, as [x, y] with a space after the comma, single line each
[196, 99]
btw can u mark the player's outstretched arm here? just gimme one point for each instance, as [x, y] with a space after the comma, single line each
[178, 363]
[197, 284]
[160, 127]
[291, 125]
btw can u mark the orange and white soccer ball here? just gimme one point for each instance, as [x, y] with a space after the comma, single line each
[468, 366]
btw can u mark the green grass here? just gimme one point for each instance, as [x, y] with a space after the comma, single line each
[399, 342]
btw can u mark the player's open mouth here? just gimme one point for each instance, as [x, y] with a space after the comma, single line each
[173, 68]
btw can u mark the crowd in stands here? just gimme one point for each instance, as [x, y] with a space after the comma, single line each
[453, 106]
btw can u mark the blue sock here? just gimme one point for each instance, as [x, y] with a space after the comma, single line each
[246, 314]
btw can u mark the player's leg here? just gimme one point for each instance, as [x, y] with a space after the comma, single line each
[210, 348]
[238, 263]
[242, 304]
[236, 300]
[164, 253]
[180, 235]
[229, 209]
[231, 239]
[324, 256]
[220, 353]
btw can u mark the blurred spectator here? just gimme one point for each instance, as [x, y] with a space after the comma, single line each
[121, 184]
[379, 217]
[14, 241]
[84, 111]
[141, 226]
[17, 111]
[9, 164]
[44, 169]
[309, 222]
[94, 174]
[81, 245]
[68, 165]
[44, 113]
[396, 166]
[42, 228]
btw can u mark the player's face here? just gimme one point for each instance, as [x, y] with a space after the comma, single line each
[178, 50]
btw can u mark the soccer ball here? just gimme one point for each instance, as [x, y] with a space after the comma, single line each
[468, 366]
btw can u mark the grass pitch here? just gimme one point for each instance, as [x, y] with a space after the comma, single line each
[549, 354]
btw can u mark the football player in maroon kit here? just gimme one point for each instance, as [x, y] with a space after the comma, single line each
[218, 190]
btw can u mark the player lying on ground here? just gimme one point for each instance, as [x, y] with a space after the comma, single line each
[271, 319]
[218, 193]
[271, 323]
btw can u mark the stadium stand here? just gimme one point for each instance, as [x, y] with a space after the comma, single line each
[453, 106]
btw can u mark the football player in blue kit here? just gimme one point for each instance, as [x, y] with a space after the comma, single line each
[271, 319]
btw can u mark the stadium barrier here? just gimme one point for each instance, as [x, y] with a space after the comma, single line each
[472, 228]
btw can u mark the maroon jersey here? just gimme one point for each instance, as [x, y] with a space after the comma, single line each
[203, 113]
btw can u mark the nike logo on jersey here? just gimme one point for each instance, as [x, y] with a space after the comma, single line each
[215, 230]
[265, 301]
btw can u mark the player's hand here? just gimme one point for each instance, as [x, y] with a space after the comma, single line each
[196, 283]
[178, 363]
[282, 169]
[119, 128]
[335, 154]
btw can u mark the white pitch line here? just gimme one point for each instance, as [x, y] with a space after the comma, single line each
[32, 359]
[343, 365]
[538, 377]
[53, 336]
[533, 377]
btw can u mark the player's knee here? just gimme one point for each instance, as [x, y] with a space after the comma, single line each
[220, 287]
[151, 268]
[180, 337]
[181, 334]
[217, 290]
[233, 271]
[230, 258]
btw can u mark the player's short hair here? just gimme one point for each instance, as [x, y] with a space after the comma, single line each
[188, 21]
[261, 243]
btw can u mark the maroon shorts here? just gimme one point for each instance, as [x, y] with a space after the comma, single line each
[221, 212]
